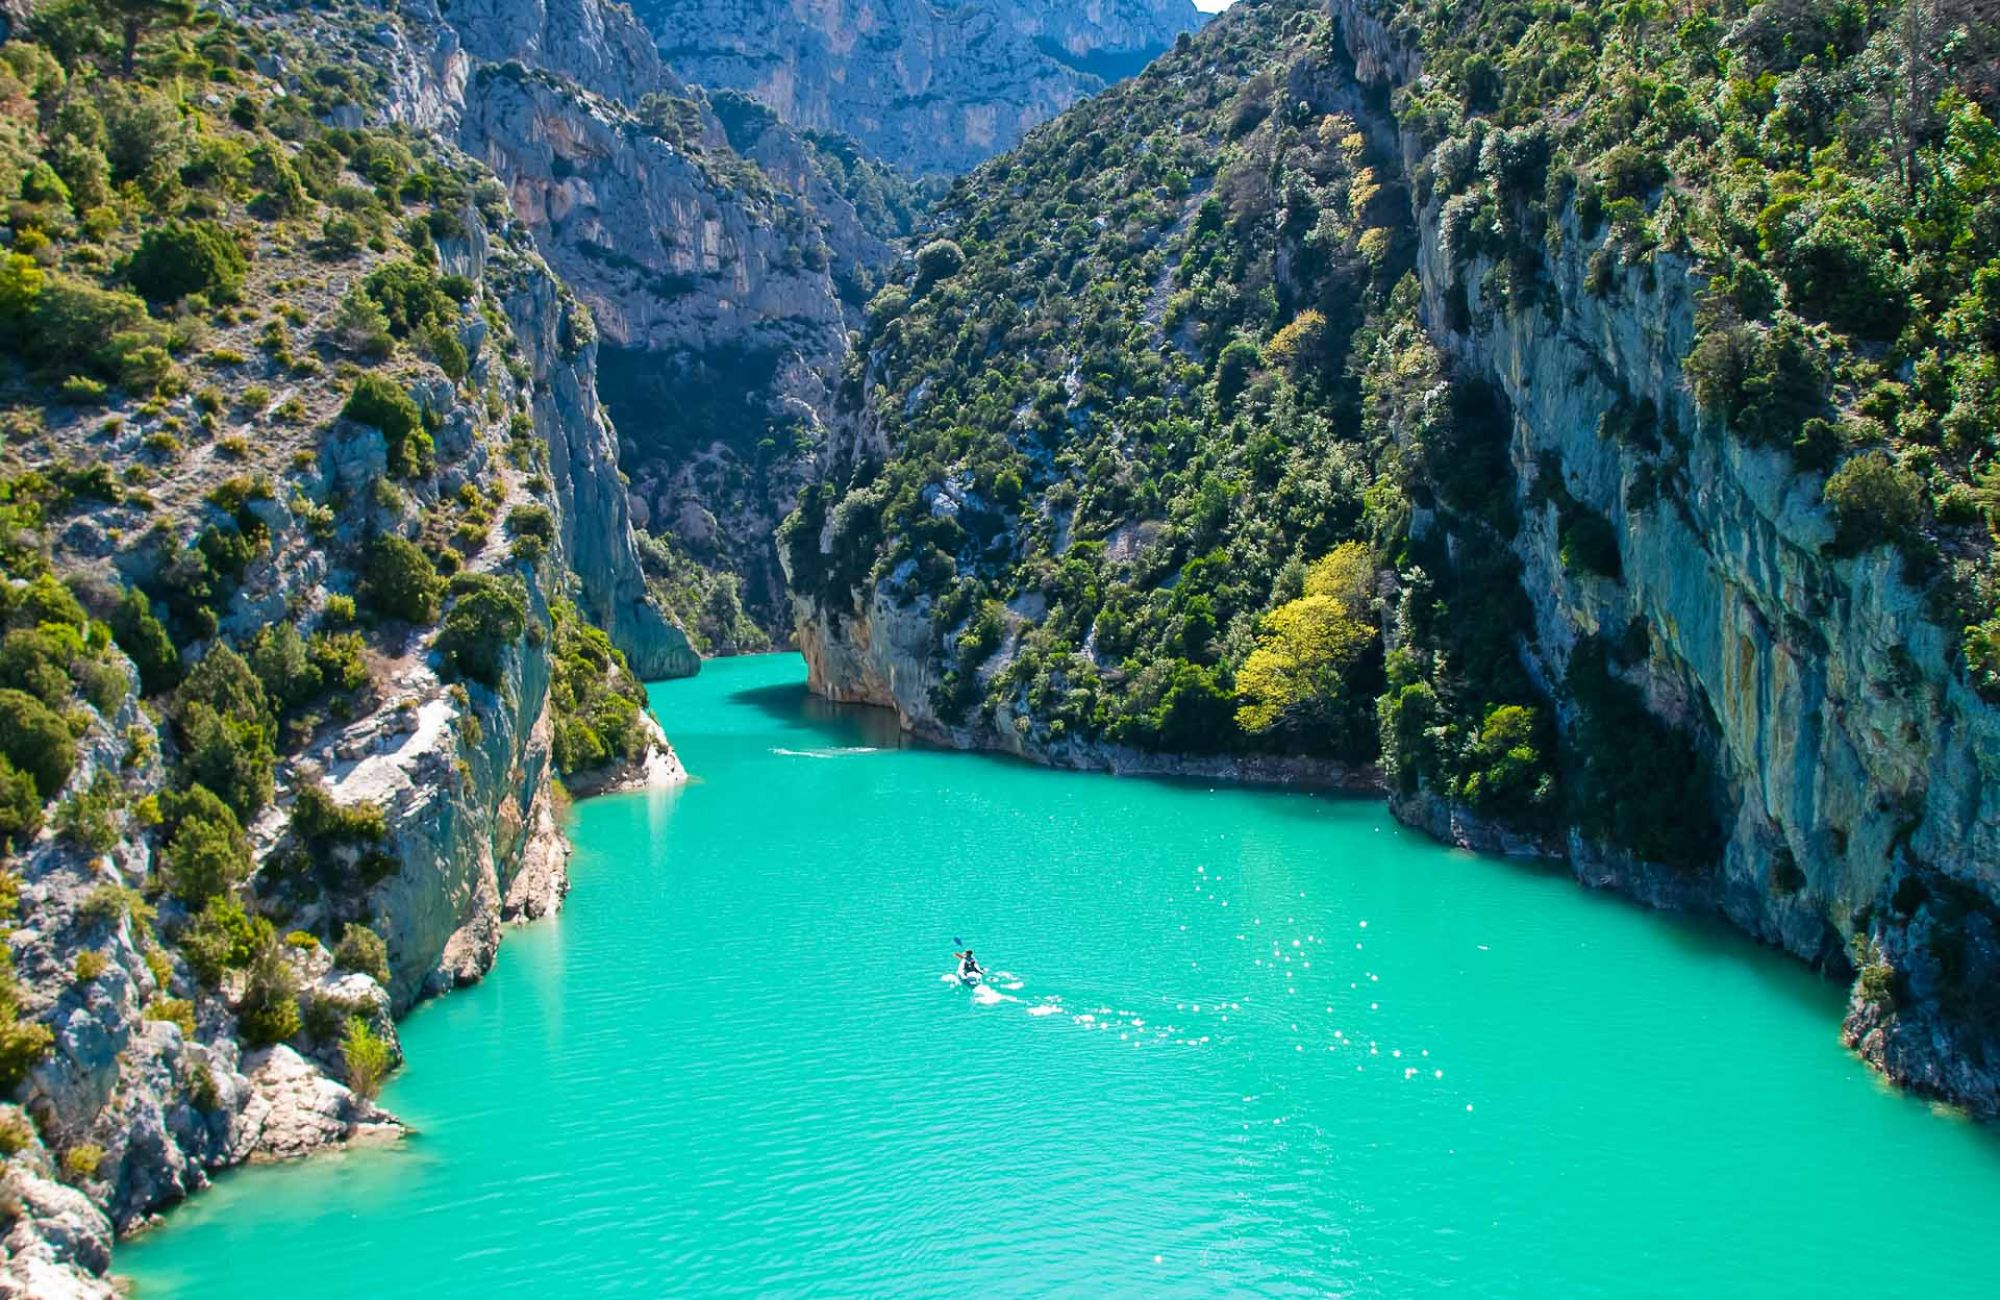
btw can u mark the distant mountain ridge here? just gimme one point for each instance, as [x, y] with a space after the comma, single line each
[930, 87]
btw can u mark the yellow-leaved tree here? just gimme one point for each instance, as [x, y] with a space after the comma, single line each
[1297, 674]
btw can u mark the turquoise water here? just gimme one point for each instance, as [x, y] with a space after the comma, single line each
[1262, 1044]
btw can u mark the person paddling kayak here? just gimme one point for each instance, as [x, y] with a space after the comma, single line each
[969, 968]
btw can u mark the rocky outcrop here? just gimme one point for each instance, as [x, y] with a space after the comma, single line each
[1855, 761]
[485, 75]
[636, 226]
[140, 1110]
[886, 656]
[931, 87]
[295, 1110]
[58, 1246]
[594, 43]
[597, 543]
[720, 283]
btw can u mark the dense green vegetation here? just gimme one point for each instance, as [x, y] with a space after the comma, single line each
[1831, 168]
[211, 300]
[598, 702]
[1122, 407]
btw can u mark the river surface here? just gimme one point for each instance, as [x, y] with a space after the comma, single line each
[1248, 1043]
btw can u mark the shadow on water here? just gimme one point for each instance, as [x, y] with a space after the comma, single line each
[877, 727]
[836, 724]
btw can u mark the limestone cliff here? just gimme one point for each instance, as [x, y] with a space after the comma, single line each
[1855, 758]
[721, 267]
[931, 87]
[409, 796]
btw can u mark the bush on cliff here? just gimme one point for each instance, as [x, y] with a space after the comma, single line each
[144, 638]
[223, 937]
[381, 403]
[362, 950]
[269, 1010]
[366, 1056]
[487, 616]
[399, 582]
[23, 1043]
[227, 731]
[1875, 502]
[20, 806]
[206, 854]
[36, 740]
[938, 260]
[188, 257]
[596, 700]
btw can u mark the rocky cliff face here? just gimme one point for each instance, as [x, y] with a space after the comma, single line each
[592, 43]
[721, 273]
[149, 1084]
[1854, 758]
[931, 87]
[460, 774]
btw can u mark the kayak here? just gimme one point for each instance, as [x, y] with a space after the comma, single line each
[969, 978]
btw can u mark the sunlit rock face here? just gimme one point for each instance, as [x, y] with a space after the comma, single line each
[931, 87]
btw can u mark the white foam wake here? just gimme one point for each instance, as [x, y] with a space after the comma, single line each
[829, 751]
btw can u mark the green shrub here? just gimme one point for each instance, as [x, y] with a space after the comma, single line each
[17, 1133]
[281, 192]
[284, 665]
[337, 658]
[938, 260]
[360, 325]
[144, 638]
[1589, 544]
[1875, 502]
[362, 950]
[323, 823]
[223, 937]
[90, 964]
[88, 818]
[75, 324]
[174, 1011]
[188, 257]
[35, 739]
[1239, 360]
[486, 617]
[533, 528]
[410, 297]
[38, 660]
[342, 234]
[107, 904]
[81, 1162]
[23, 1043]
[448, 352]
[400, 582]
[366, 1056]
[20, 806]
[207, 853]
[1767, 383]
[226, 733]
[269, 1012]
[381, 403]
